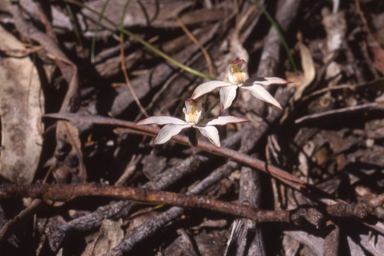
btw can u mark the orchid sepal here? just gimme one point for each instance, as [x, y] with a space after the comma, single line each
[258, 91]
[207, 87]
[168, 131]
[265, 81]
[227, 96]
[223, 120]
[160, 120]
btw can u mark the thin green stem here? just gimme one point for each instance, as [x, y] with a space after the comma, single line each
[72, 18]
[122, 17]
[95, 33]
[209, 110]
[143, 42]
[282, 39]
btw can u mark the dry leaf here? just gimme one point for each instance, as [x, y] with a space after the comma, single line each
[111, 235]
[302, 81]
[21, 107]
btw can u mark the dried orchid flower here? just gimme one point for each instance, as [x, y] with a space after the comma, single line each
[238, 79]
[192, 111]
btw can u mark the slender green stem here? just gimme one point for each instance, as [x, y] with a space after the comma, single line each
[122, 17]
[209, 110]
[278, 32]
[72, 18]
[95, 33]
[143, 42]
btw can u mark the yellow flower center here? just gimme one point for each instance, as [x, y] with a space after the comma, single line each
[238, 77]
[191, 117]
[192, 112]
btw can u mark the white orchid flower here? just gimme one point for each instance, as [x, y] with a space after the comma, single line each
[238, 78]
[192, 111]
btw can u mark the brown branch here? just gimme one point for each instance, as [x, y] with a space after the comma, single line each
[70, 192]
[360, 210]
[224, 152]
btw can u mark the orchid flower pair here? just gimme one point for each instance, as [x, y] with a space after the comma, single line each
[238, 77]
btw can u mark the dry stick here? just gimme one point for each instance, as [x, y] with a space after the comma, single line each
[194, 39]
[70, 192]
[366, 107]
[360, 210]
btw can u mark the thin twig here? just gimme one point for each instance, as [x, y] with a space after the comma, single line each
[367, 106]
[194, 39]
[127, 79]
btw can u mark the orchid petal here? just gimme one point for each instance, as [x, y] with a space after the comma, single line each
[227, 95]
[211, 133]
[265, 81]
[223, 120]
[161, 120]
[261, 93]
[208, 87]
[168, 131]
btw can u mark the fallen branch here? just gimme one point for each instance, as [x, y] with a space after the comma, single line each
[70, 192]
